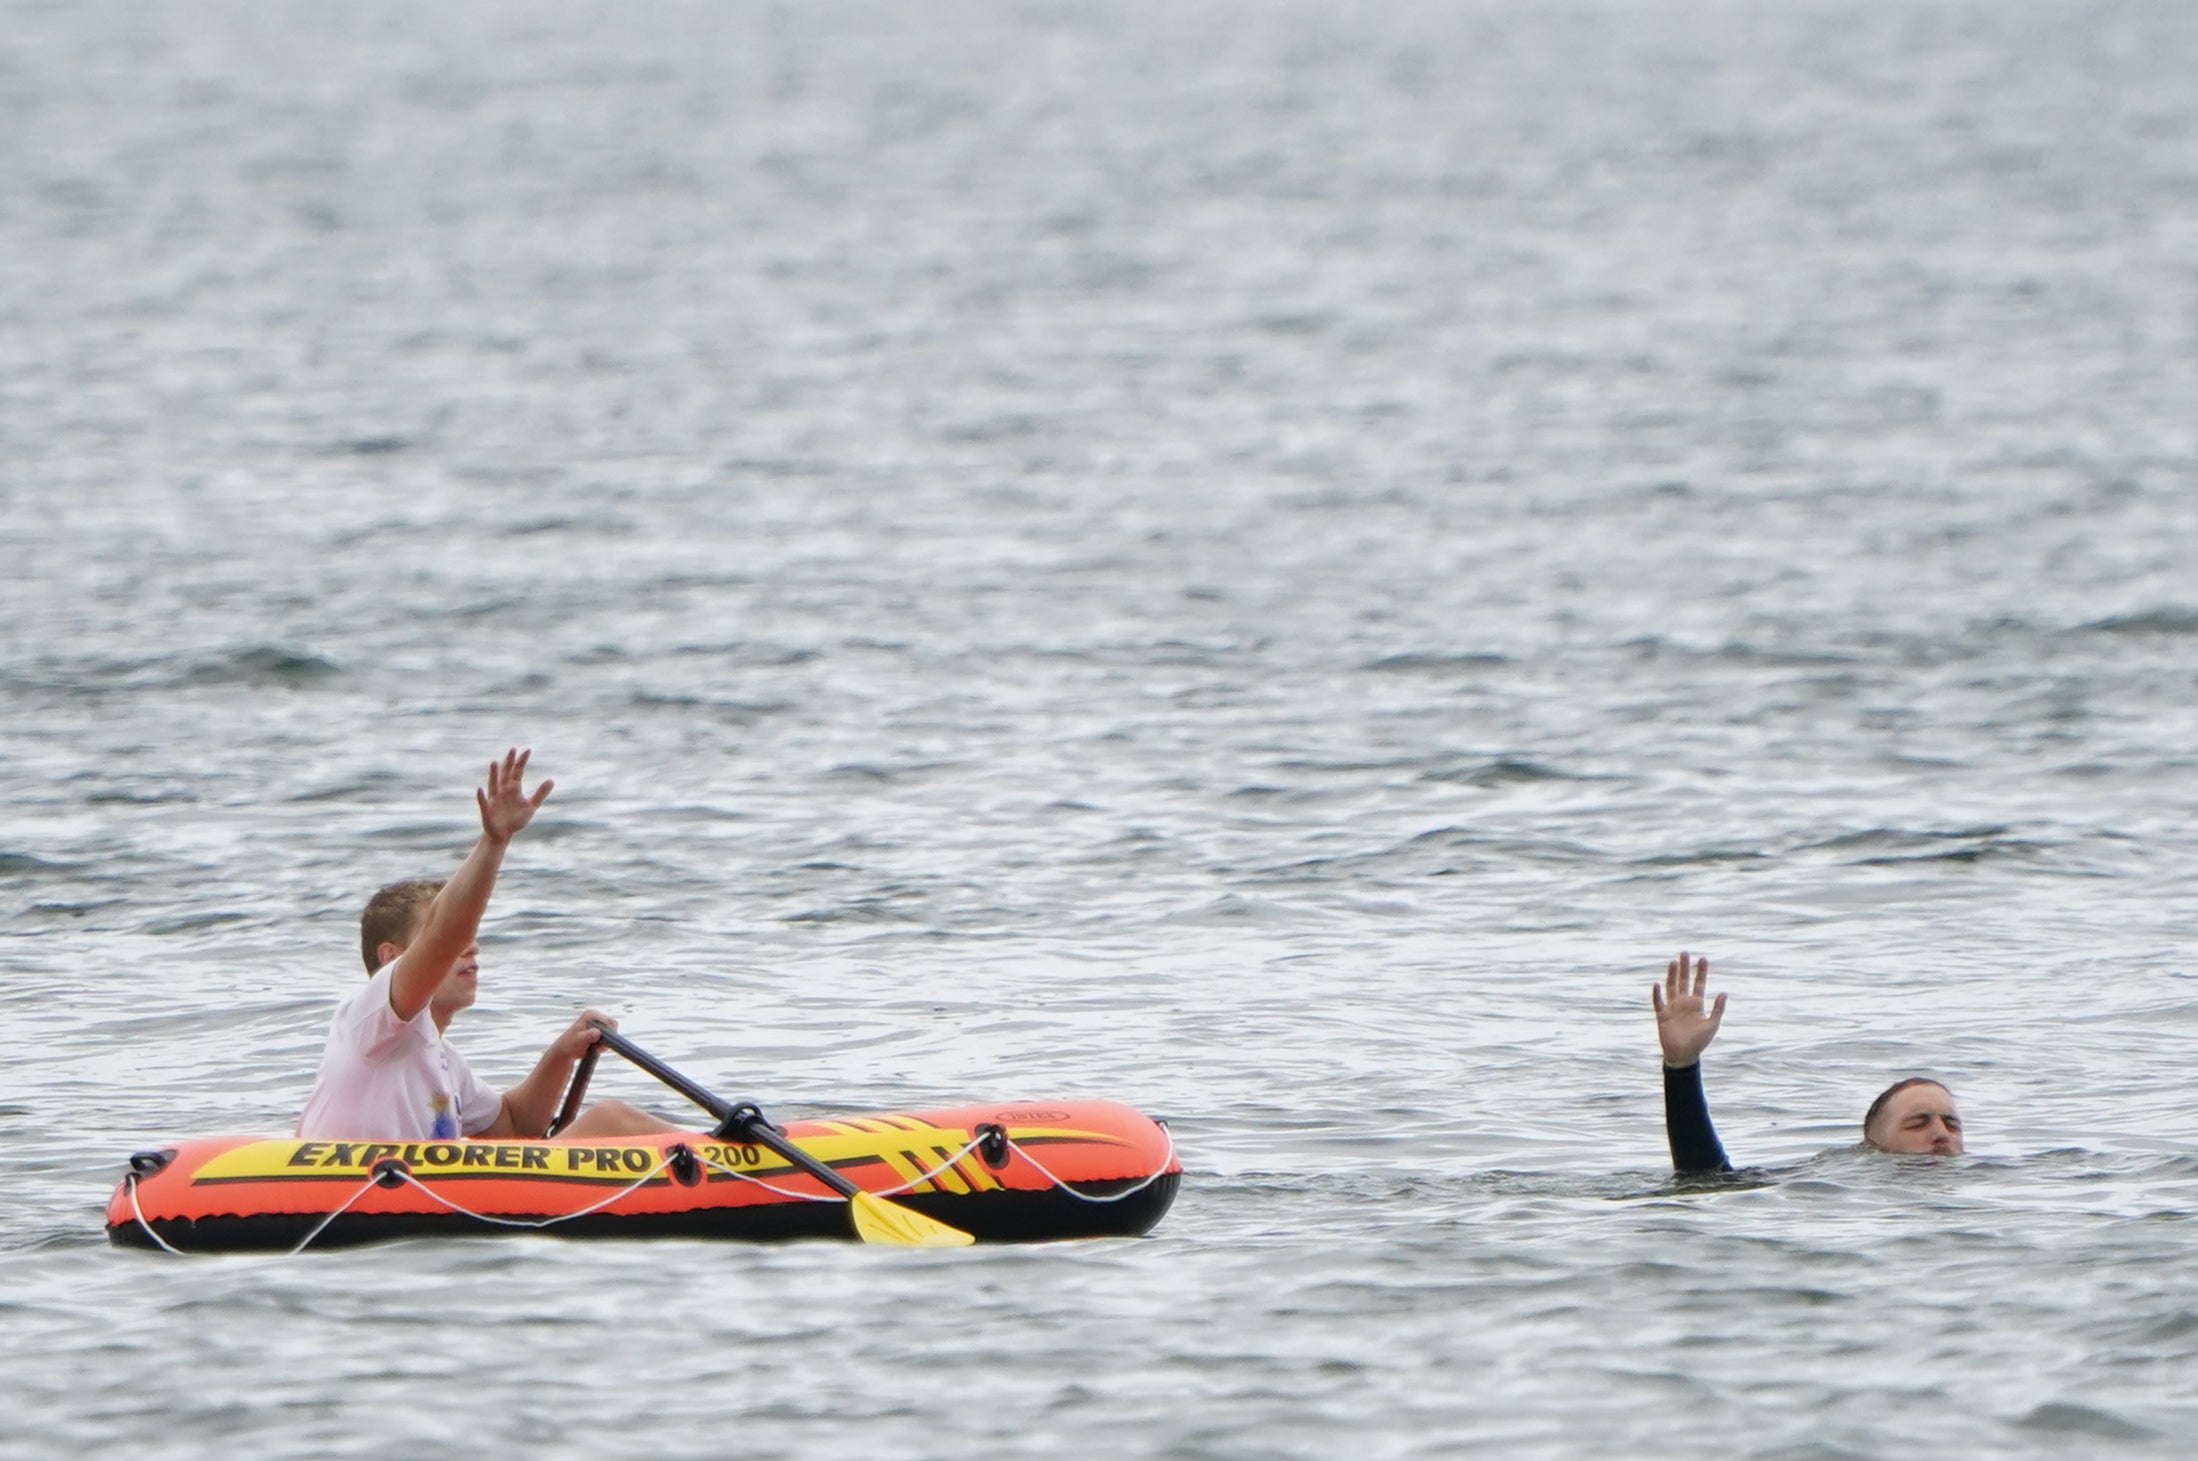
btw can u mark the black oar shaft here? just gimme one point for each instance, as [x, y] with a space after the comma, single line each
[754, 1129]
[751, 1126]
[709, 1101]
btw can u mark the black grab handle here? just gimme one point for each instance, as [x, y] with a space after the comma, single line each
[578, 1090]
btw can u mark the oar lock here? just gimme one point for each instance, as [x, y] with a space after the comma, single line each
[741, 1122]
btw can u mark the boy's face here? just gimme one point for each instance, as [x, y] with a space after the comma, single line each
[461, 986]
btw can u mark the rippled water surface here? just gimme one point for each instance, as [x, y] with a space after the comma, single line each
[1269, 562]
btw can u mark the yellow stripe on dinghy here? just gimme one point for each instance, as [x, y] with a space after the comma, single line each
[908, 1151]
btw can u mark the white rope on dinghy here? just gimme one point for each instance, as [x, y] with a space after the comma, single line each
[922, 1177]
[549, 1222]
[1162, 1171]
[322, 1226]
[129, 1182]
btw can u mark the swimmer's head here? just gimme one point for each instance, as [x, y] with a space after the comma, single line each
[1916, 1117]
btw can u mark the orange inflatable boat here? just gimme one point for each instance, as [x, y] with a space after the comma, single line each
[997, 1173]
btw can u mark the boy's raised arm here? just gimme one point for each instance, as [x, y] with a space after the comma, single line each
[452, 920]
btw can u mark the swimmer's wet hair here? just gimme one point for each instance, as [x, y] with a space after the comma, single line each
[1877, 1107]
[390, 913]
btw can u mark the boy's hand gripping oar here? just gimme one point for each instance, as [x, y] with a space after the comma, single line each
[876, 1220]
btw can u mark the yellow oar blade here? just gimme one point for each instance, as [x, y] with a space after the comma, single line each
[879, 1221]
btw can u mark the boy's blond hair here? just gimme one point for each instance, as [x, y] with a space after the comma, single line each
[391, 913]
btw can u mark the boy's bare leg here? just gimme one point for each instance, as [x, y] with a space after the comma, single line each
[617, 1118]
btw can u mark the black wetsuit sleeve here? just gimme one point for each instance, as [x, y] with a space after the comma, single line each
[1694, 1143]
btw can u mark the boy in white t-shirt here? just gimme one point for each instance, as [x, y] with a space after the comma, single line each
[388, 1073]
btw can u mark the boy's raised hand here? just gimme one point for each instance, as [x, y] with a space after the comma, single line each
[505, 806]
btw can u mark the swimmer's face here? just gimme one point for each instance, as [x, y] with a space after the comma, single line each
[1919, 1121]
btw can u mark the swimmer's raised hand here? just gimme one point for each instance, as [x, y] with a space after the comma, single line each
[1683, 1028]
[505, 806]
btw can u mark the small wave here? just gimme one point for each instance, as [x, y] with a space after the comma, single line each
[1900, 846]
[1434, 664]
[195, 922]
[1981, 853]
[1001, 426]
[755, 656]
[351, 789]
[2065, 1418]
[1230, 910]
[785, 466]
[1553, 849]
[1703, 857]
[50, 1239]
[1503, 771]
[260, 665]
[24, 865]
[2178, 1326]
[2087, 770]
[862, 910]
[77, 910]
[486, 608]
[2166, 620]
[1350, 767]
[1738, 652]
[885, 775]
[732, 712]
[1295, 322]
[594, 527]
[1898, 838]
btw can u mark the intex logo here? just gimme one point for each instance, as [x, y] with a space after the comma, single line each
[1034, 1115]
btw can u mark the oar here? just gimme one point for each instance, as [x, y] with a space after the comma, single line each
[876, 1220]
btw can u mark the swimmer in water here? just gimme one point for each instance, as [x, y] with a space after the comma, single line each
[1915, 1116]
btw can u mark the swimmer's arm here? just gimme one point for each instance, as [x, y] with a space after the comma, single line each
[454, 917]
[1684, 1028]
[1694, 1143]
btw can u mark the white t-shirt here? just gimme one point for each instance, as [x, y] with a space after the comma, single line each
[393, 1080]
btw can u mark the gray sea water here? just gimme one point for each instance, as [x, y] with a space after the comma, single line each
[1267, 561]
